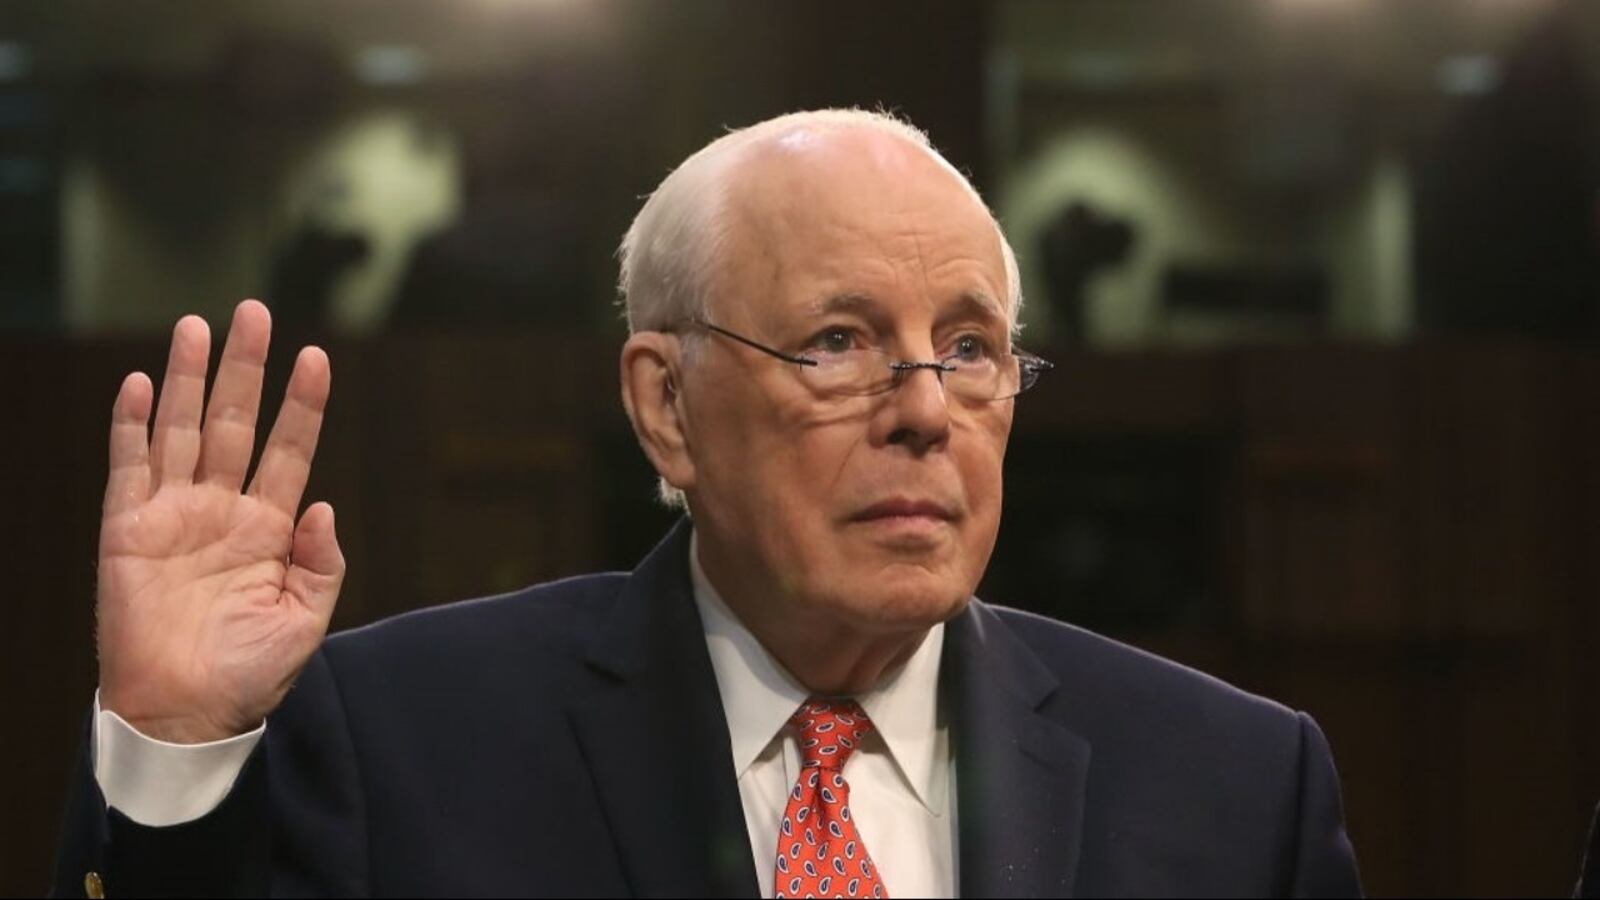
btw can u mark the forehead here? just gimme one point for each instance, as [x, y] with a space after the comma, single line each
[860, 214]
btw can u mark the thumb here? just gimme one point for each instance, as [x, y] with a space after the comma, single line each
[316, 565]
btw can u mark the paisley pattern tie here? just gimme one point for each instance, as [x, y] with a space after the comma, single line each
[819, 852]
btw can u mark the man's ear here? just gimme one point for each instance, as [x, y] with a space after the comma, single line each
[652, 395]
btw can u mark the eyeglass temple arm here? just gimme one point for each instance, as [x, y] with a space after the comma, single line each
[778, 354]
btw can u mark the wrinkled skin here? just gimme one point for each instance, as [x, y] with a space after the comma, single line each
[212, 598]
[867, 233]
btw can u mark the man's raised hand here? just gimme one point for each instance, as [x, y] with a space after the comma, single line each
[211, 600]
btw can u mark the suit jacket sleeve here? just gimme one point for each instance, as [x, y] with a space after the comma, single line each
[1324, 861]
[293, 825]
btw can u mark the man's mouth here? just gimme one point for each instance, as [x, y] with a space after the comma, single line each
[906, 509]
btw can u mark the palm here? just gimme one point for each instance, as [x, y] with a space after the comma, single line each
[210, 600]
[201, 568]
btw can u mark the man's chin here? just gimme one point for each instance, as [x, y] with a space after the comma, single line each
[899, 602]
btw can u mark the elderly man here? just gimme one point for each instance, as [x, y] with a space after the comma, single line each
[795, 693]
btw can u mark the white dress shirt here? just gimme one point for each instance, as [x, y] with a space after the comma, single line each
[902, 778]
[159, 784]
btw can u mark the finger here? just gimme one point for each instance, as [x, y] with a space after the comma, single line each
[286, 462]
[175, 446]
[316, 565]
[230, 430]
[128, 483]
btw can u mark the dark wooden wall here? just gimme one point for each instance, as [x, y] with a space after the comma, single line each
[1399, 541]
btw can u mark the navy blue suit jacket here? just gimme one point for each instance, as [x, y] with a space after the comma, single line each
[569, 739]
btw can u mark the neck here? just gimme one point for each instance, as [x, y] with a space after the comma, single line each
[834, 662]
[829, 657]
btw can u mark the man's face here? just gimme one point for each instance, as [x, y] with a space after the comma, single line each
[875, 513]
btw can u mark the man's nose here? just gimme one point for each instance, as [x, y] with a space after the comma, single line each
[917, 411]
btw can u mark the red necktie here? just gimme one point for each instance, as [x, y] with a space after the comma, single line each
[819, 852]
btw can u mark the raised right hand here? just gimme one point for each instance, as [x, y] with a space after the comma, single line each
[210, 601]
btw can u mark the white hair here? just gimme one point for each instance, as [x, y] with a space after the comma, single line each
[670, 253]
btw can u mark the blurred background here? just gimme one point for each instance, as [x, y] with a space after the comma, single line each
[1321, 277]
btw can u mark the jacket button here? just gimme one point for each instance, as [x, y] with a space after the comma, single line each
[92, 888]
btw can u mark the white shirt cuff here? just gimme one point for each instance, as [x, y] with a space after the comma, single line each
[158, 784]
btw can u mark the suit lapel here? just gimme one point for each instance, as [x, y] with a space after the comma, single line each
[1020, 775]
[656, 739]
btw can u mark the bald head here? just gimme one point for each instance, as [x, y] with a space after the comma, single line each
[693, 228]
[801, 205]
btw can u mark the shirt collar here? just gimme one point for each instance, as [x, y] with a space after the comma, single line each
[759, 695]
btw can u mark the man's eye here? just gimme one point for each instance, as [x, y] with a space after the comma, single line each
[970, 348]
[834, 340]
